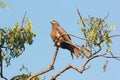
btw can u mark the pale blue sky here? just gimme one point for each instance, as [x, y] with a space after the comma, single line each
[38, 56]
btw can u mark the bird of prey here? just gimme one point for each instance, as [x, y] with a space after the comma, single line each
[61, 40]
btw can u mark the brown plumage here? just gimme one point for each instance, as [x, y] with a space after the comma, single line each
[56, 33]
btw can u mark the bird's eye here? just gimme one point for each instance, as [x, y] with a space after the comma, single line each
[53, 20]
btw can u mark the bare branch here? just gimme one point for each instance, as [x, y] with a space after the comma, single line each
[65, 69]
[105, 56]
[4, 78]
[23, 19]
[106, 16]
[51, 67]
[98, 50]
[100, 55]
[81, 17]
[117, 35]
[73, 36]
[114, 56]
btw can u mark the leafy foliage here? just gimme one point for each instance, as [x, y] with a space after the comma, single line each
[97, 33]
[24, 77]
[3, 5]
[13, 41]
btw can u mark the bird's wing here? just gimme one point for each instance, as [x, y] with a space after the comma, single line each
[53, 34]
[62, 31]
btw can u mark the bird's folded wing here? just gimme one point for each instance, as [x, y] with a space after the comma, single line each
[62, 31]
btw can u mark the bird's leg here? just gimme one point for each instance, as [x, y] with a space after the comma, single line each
[57, 43]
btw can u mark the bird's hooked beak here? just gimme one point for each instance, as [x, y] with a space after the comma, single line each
[51, 21]
[54, 22]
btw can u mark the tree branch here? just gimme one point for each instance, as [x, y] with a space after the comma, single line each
[51, 67]
[23, 19]
[83, 68]
[117, 35]
[114, 56]
[81, 17]
[105, 56]
[4, 78]
[65, 69]
[106, 16]
[73, 36]
[97, 50]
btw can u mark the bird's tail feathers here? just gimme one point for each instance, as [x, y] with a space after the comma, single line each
[76, 51]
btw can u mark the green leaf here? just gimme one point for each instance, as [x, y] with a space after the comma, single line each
[113, 26]
[108, 48]
[104, 24]
[3, 5]
[83, 29]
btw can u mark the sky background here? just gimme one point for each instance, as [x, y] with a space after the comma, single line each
[39, 55]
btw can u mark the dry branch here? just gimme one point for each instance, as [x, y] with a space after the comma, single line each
[73, 36]
[65, 69]
[23, 19]
[83, 68]
[106, 16]
[117, 35]
[51, 67]
[81, 17]
[97, 50]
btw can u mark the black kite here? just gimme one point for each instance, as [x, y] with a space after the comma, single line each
[57, 33]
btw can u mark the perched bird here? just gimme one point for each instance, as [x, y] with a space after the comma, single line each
[60, 40]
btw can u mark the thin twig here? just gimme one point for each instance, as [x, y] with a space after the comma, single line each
[51, 67]
[23, 19]
[114, 56]
[117, 35]
[106, 16]
[106, 56]
[4, 78]
[81, 17]
[98, 50]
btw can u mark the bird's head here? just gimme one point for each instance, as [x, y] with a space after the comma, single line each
[54, 22]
